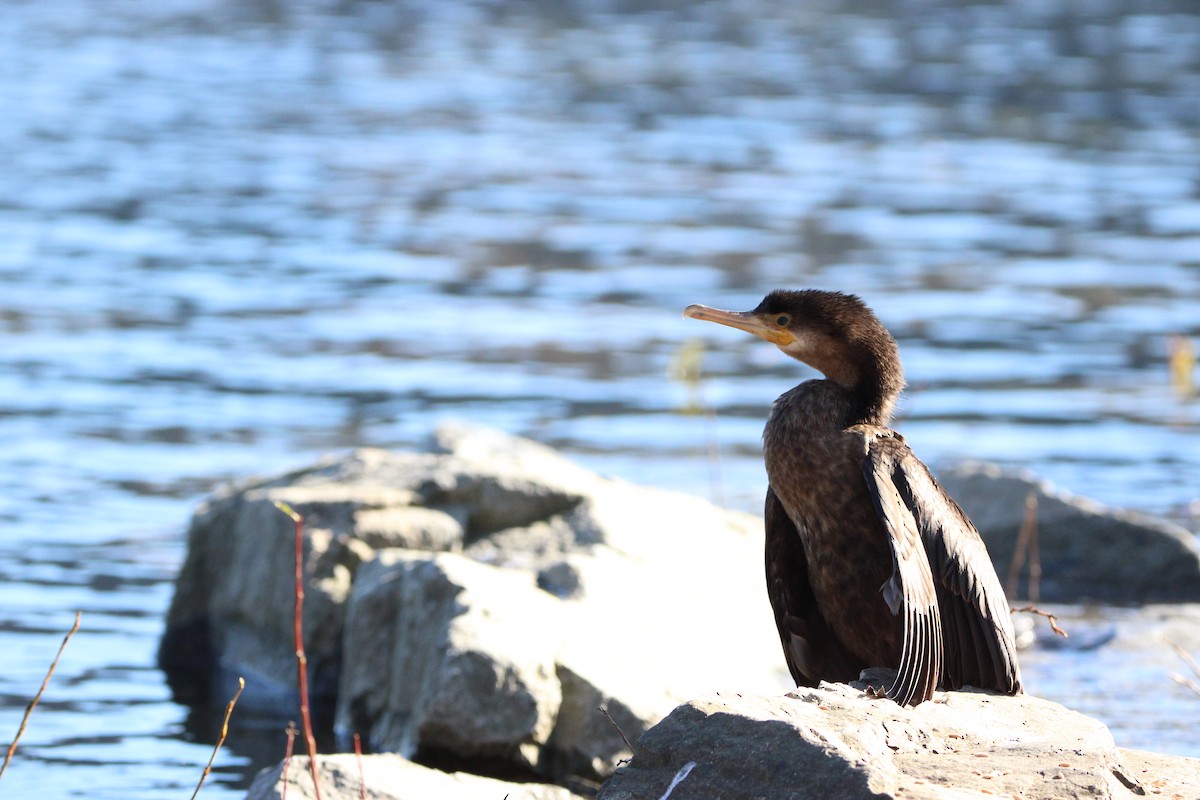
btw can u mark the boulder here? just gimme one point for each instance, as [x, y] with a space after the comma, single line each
[1088, 551]
[837, 741]
[389, 777]
[232, 610]
[473, 606]
[451, 658]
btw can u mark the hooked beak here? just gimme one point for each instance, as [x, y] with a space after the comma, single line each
[742, 320]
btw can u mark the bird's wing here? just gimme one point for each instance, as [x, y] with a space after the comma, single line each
[810, 648]
[910, 590]
[977, 635]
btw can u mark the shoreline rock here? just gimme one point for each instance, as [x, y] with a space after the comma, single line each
[1088, 551]
[389, 777]
[545, 592]
[836, 741]
[473, 606]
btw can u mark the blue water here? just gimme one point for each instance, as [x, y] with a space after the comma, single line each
[239, 235]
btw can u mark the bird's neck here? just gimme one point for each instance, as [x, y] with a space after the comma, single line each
[871, 386]
[873, 399]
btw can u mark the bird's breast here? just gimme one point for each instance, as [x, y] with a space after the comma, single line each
[817, 476]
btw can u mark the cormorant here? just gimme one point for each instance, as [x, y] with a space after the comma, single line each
[869, 562]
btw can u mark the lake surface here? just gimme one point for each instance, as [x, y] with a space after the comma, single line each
[240, 235]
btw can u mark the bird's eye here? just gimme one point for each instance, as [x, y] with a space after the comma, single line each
[782, 320]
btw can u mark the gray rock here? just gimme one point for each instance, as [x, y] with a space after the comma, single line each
[502, 481]
[469, 660]
[1088, 551]
[411, 527]
[593, 726]
[1163, 775]
[232, 613]
[448, 656]
[475, 605]
[389, 777]
[560, 579]
[837, 742]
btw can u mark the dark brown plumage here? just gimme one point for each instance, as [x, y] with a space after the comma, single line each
[869, 562]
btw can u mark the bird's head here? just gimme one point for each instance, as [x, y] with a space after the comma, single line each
[833, 332]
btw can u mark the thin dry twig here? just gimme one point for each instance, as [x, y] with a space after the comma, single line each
[608, 716]
[362, 780]
[1032, 609]
[301, 658]
[12, 748]
[221, 740]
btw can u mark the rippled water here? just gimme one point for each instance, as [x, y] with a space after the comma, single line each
[238, 235]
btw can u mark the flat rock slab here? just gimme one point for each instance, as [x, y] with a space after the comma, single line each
[1164, 776]
[389, 777]
[837, 742]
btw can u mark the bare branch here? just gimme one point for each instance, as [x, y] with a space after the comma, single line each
[221, 740]
[1053, 620]
[301, 658]
[12, 748]
[362, 780]
[287, 757]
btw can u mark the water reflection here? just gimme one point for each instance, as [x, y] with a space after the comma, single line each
[238, 235]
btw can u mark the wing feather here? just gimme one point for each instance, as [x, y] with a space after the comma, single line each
[979, 643]
[912, 582]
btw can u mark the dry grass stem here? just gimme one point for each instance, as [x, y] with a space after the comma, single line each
[686, 367]
[608, 716]
[1186, 682]
[1053, 620]
[301, 658]
[1186, 658]
[12, 748]
[221, 740]
[1027, 545]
